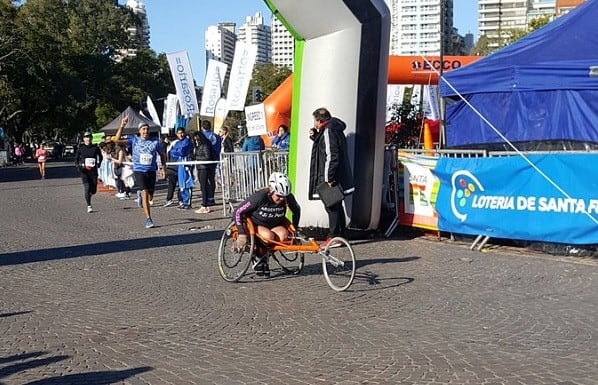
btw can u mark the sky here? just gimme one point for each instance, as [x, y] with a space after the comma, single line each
[180, 25]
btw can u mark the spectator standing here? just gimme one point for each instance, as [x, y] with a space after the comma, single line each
[172, 174]
[19, 153]
[330, 164]
[88, 158]
[253, 143]
[118, 157]
[181, 150]
[145, 151]
[204, 152]
[282, 140]
[41, 154]
[227, 142]
[216, 141]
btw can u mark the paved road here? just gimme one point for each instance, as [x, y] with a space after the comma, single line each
[98, 299]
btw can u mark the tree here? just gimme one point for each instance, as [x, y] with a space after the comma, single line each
[486, 45]
[10, 57]
[58, 66]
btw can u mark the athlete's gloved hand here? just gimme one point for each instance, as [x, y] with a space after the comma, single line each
[241, 242]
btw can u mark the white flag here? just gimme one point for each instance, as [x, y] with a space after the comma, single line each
[431, 102]
[220, 113]
[170, 111]
[394, 96]
[416, 95]
[180, 68]
[240, 75]
[152, 111]
[212, 87]
[256, 120]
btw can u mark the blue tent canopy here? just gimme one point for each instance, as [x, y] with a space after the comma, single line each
[541, 89]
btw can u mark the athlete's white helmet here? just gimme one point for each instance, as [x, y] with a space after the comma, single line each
[280, 183]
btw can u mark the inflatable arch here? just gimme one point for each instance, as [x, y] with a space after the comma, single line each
[401, 70]
[341, 63]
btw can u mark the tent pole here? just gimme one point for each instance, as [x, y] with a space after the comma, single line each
[441, 139]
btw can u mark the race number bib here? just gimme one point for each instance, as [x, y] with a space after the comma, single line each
[145, 159]
[90, 162]
[42, 158]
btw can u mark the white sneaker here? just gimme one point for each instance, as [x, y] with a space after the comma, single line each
[89, 209]
[120, 195]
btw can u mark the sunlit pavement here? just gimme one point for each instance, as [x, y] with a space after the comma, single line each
[98, 299]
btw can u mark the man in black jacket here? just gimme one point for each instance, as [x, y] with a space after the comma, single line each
[87, 160]
[330, 164]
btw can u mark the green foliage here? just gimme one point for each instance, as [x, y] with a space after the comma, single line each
[404, 126]
[58, 73]
[486, 45]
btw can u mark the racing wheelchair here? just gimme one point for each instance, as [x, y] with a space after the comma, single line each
[338, 258]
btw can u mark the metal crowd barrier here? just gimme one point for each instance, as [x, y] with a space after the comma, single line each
[243, 173]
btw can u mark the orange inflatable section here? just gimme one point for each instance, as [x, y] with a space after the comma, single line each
[401, 70]
[278, 108]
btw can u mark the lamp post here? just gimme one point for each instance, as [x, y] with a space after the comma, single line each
[441, 139]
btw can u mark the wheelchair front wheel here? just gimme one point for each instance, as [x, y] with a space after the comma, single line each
[232, 264]
[338, 263]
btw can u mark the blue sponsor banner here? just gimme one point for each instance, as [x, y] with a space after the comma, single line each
[505, 197]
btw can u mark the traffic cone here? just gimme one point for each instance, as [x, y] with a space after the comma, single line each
[428, 141]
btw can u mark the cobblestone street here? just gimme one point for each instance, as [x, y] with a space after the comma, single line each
[98, 299]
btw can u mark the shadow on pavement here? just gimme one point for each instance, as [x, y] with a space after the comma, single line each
[372, 280]
[4, 315]
[22, 356]
[93, 378]
[35, 363]
[102, 248]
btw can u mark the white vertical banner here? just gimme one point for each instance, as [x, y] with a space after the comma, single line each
[431, 102]
[416, 95]
[152, 111]
[256, 120]
[170, 111]
[180, 68]
[220, 113]
[394, 96]
[240, 75]
[212, 87]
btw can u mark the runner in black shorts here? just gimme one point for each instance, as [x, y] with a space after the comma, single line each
[145, 151]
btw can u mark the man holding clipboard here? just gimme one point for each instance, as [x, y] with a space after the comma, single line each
[330, 175]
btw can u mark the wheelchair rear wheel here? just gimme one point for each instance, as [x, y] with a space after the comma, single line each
[232, 264]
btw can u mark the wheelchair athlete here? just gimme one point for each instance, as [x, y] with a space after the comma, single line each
[267, 209]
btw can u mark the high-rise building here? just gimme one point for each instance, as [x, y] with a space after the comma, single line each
[540, 8]
[142, 31]
[220, 41]
[283, 45]
[497, 17]
[469, 42]
[255, 32]
[416, 27]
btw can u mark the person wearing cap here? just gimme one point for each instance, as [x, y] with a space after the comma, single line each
[41, 154]
[145, 151]
[88, 158]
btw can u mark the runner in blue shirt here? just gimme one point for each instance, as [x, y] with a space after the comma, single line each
[145, 151]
